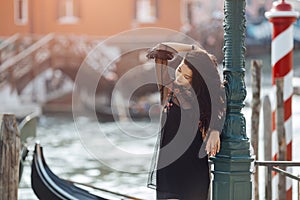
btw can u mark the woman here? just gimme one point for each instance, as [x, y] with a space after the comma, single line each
[191, 121]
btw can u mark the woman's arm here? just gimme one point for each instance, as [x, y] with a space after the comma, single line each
[163, 78]
[162, 53]
[181, 47]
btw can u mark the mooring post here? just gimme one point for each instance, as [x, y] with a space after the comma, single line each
[255, 107]
[298, 188]
[281, 135]
[267, 113]
[10, 146]
[232, 176]
[282, 17]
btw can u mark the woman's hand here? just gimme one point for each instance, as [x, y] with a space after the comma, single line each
[213, 143]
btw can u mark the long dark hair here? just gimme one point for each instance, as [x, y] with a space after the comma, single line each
[204, 75]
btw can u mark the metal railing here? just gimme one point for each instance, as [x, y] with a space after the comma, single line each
[274, 166]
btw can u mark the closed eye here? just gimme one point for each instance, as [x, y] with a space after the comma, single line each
[187, 77]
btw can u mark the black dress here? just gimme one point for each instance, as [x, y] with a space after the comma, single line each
[184, 175]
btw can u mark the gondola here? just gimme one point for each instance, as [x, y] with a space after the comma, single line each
[27, 128]
[46, 185]
[23, 155]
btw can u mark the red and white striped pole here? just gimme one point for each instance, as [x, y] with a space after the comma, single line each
[282, 17]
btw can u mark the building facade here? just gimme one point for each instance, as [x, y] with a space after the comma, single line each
[88, 17]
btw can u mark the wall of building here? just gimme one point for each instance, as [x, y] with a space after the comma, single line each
[96, 17]
[8, 26]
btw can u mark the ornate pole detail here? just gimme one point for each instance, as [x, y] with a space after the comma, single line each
[232, 165]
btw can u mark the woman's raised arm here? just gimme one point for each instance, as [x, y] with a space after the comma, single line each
[162, 53]
[181, 47]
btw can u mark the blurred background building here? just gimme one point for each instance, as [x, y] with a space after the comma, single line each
[87, 17]
[43, 43]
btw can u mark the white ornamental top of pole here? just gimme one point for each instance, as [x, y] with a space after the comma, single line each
[281, 9]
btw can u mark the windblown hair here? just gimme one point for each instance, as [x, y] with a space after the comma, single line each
[203, 65]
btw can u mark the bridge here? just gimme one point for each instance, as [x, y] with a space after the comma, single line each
[25, 58]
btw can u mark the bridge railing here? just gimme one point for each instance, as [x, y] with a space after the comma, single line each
[70, 50]
[18, 65]
[8, 47]
[274, 166]
[15, 44]
[20, 62]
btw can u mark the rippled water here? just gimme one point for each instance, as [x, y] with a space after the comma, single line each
[70, 157]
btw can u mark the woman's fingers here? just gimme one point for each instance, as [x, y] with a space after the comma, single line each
[219, 146]
[160, 54]
[161, 51]
[213, 151]
[213, 145]
[209, 147]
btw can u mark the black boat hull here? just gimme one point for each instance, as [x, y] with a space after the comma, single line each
[46, 185]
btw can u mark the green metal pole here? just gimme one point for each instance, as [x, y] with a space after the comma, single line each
[232, 176]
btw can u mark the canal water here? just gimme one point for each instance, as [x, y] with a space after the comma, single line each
[69, 156]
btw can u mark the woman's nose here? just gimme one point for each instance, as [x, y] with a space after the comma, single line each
[181, 77]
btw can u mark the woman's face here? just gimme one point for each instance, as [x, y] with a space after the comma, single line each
[183, 75]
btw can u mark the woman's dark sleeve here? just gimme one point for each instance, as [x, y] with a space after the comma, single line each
[162, 53]
[218, 112]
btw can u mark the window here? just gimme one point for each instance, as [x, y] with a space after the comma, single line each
[146, 11]
[249, 2]
[21, 11]
[68, 11]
